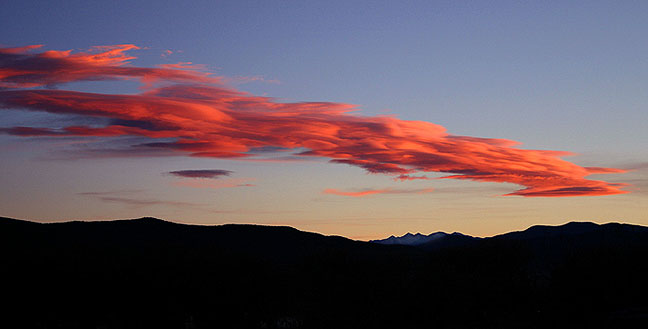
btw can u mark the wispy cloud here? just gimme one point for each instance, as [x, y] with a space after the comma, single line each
[408, 177]
[212, 184]
[113, 192]
[636, 166]
[241, 80]
[144, 202]
[198, 115]
[129, 198]
[367, 192]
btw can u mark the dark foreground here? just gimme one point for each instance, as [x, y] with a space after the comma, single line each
[148, 273]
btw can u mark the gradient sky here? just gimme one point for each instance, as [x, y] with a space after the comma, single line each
[334, 117]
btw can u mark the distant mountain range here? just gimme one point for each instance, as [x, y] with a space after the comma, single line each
[150, 273]
[429, 242]
[410, 239]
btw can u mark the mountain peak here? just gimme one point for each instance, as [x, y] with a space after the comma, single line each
[411, 239]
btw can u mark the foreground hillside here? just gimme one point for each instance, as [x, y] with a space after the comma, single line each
[148, 273]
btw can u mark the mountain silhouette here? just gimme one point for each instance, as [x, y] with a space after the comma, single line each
[150, 273]
[410, 239]
[432, 241]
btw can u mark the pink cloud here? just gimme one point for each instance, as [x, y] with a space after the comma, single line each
[199, 116]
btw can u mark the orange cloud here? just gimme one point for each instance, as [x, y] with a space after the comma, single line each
[201, 117]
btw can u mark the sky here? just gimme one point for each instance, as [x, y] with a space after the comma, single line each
[352, 118]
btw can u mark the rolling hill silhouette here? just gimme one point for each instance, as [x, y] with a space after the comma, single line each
[149, 273]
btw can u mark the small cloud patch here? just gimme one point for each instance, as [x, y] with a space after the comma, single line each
[201, 173]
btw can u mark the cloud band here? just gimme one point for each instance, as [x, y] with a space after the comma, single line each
[197, 115]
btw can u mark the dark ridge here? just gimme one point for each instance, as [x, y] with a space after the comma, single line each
[571, 228]
[151, 273]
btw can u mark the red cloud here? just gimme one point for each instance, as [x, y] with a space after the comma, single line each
[207, 119]
[21, 69]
